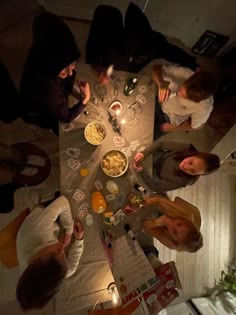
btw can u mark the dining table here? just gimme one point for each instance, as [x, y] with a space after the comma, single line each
[129, 130]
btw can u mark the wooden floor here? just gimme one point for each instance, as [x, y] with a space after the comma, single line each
[214, 195]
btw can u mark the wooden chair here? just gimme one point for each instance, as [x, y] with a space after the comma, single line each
[8, 255]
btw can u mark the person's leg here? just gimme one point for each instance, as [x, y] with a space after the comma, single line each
[163, 49]
[105, 35]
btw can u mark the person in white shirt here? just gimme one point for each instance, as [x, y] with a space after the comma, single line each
[185, 97]
[42, 256]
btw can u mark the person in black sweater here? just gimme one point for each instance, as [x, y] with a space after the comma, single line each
[49, 75]
[129, 47]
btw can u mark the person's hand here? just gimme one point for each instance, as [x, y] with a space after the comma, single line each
[85, 89]
[66, 238]
[138, 158]
[78, 230]
[163, 94]
[166, 127]
[103, 78]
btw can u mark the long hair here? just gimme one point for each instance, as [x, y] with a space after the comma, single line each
[212, 161]
[39, 282]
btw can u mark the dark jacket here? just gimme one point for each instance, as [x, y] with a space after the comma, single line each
[130, 47]
[44, 95]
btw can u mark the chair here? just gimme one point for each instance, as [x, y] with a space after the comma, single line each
[8, 255]
[28, 149]
[21, 180]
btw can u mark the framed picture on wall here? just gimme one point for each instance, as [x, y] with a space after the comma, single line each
[209, 43]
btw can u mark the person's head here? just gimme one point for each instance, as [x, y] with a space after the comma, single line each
[198, 87]
[184, 234]
[67, 71]
[41, 279]
[54, 45]
[199, 163]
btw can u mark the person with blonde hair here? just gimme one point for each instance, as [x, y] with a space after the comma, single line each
[177, 225]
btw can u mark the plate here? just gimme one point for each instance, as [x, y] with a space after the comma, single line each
[95, 132]
[116, 106]
[114, 163]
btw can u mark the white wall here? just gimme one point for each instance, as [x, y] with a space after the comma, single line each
[188, 19]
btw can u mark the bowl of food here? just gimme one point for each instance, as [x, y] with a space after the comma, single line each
[114, 163]
[95, 132]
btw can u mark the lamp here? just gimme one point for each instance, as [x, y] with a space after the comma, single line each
[112, 289]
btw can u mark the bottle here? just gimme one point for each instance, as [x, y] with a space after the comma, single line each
[107, 217]
[135, 201]
[140, 188]
[99, 204]
[130, 86]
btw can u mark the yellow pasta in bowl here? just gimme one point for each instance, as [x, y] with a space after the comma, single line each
[114, 163]
[95, 132]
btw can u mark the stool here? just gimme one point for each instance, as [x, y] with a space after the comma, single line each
[42, 171]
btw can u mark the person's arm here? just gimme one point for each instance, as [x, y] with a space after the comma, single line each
[56, 102]
[162, 145]
[163, 90]
[60, 208]
[160, 185]
[76, 250]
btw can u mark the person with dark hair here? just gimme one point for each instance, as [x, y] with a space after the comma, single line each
[49, 75]
[185, 97]
[42, 256]
[176, 225]
[175, 165]
[129, 46]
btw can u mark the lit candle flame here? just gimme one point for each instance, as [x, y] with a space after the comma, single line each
[122, 121]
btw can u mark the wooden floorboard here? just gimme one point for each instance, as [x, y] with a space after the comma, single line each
[214, 195]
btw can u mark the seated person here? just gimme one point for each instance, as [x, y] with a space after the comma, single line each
[175, 165]
[177, 225]
[49, 75]
[41, 254]
[129, 47]
[186, 97]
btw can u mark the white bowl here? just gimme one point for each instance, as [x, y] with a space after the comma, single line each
[95, 132]
[114, 163]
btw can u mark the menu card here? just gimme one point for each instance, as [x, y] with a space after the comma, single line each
[131, 269]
